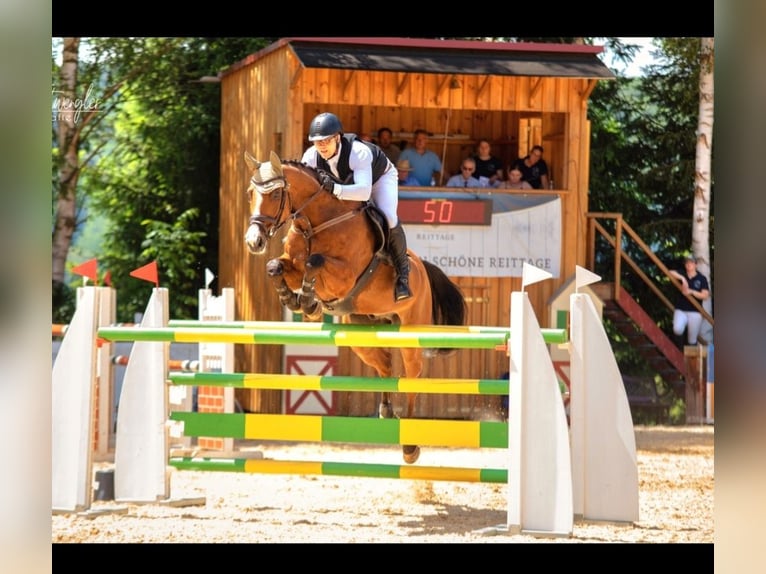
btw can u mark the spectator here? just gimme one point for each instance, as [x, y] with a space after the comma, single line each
[514, 180]
[465, 178]
[487, 166]
[365, 137]
[405, 173]
[426, 165]
[685, 316]
[533, 168]
[391, 150]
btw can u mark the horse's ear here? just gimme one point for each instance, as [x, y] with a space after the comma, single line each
[276, 163]
[251, 162]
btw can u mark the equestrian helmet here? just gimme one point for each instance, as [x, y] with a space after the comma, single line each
[323, 126]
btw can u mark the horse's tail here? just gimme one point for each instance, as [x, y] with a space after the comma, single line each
[447, 301]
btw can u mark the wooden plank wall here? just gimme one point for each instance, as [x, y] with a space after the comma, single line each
[266, 106]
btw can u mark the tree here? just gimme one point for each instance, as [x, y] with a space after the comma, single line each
[702, 175]
[85, 94]
[151, 169]
[643, 165]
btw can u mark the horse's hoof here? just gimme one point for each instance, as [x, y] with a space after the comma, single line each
[385, 411]
[410, 453]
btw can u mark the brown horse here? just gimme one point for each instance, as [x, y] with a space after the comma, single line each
[333, 263]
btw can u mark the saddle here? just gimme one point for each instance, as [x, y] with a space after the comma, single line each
[379, 225]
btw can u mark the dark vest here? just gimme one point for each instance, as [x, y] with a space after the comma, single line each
[379, 160]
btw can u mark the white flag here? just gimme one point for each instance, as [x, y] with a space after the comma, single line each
[208, 278]
[531, 274]
[584, 277]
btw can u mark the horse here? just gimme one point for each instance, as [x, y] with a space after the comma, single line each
[334, 262]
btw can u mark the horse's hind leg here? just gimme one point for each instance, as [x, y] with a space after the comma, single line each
[410, 452]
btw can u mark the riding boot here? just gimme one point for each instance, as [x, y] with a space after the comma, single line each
[397, 248]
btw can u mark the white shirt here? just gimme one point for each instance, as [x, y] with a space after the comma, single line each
[359, 161]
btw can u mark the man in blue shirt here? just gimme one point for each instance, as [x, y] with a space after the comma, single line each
[425, 163]
[465, 178]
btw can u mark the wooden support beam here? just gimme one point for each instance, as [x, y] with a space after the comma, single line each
[349, 78]
[483, 88]
[402, 86]
[296, 77]
[441, 88]
[587, 91]
[535, 86]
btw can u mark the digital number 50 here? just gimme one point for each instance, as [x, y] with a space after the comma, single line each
[437, 211]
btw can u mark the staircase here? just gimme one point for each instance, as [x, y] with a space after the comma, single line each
[643, 334]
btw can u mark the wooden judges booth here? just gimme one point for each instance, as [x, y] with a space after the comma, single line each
[514, 94]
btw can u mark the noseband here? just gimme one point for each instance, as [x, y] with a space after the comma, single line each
[269, 224]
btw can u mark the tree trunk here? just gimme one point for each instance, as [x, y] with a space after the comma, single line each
[702, 175]
[69, 167]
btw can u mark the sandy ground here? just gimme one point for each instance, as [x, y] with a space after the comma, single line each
[676, 486]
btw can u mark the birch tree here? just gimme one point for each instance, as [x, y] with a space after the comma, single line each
[702, 173]
[68, 139]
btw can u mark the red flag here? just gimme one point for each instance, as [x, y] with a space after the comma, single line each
[148, 273]
[88, 269]
[108, 278]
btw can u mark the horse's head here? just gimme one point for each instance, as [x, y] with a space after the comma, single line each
[282, 191]
[268, 196]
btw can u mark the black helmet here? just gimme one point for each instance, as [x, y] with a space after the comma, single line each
[323, 126]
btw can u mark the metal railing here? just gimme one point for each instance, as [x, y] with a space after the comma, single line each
[625, 233]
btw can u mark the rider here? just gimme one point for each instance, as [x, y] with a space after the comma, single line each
[366, 173]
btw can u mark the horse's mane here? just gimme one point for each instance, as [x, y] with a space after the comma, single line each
[297, 164]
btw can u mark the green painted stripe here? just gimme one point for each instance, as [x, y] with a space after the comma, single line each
[314, 428]
[360, 469]
[493, 434]
[493, 475]
[370, 430]
[225, 425]
[223, 465]
[452, 474]
[341, 383]
[339, 337]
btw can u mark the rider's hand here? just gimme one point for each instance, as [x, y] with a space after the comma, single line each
[326, 182]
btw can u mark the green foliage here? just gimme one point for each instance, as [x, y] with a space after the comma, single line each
[643, 154]
[153, 157]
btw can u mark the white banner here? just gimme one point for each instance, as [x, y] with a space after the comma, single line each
[530, 234]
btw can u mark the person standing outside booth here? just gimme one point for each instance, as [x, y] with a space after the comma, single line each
[685, 316]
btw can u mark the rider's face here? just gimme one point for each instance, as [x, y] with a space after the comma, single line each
[327, 147]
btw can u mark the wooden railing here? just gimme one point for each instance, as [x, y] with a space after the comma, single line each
[624, 232]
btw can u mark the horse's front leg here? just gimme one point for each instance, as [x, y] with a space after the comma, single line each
[276, 271]
[308, 299]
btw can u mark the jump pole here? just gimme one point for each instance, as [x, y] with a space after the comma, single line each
[533, 514]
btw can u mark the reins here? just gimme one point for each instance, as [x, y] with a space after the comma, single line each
[273, 221]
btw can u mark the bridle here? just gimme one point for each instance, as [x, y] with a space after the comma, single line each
[269, 225]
